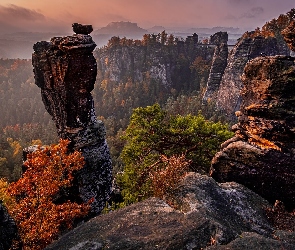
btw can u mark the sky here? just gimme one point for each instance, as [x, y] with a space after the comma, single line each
[58, 15]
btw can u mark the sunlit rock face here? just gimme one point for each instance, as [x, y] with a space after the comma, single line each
[65, 71]
[261, 156]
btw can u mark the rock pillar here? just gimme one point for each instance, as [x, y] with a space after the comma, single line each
[219, 63]
[65, 71]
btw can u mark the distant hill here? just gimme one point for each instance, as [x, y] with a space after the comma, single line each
[20, 44]
[121, 29]
[156, 29]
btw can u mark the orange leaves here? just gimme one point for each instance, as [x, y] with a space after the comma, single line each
[168, 175]
[39, 219]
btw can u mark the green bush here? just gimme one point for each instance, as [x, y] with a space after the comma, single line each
[152, 134]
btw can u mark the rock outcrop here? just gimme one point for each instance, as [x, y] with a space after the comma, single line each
[261, 156]
[207, 214]
[149, 60]
[228, 96]
[65, 71]
[8, 229]
[268, 41]
[218, 66]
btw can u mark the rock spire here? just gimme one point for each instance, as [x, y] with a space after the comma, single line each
[65, 71]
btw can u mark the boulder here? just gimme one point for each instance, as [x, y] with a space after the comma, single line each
[65, 71]
[261, 155]
[82, 29]
[250, 241]
[203, 213]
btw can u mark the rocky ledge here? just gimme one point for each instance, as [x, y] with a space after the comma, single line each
[261, 156]
[205, 215]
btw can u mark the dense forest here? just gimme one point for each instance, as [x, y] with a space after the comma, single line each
[161, 89]
[25, 120]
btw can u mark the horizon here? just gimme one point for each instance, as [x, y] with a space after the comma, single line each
[57, 16]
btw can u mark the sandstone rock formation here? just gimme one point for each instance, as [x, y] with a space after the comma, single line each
[167, 65]
[207, 214]
[289, 35]
[65, 71]
[261, 156]
[218, 66]
[8, 229]
[247, 48]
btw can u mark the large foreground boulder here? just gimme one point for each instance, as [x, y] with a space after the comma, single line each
[204, 214]
[261, 156]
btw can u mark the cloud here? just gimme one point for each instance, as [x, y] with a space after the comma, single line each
[17, 12]
[14, 18]
[253, 13]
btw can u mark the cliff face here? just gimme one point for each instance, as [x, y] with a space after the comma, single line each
[218, 66]
[261, 156]
[65, 70]
[268, 41]
[167, 64]
[228, 96]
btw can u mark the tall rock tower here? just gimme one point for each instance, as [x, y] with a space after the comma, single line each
[65, 71]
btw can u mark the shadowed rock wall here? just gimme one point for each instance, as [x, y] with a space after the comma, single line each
[218, 66]
[8, 229]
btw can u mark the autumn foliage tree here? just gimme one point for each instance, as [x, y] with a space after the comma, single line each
[39, 217]
[167, 174]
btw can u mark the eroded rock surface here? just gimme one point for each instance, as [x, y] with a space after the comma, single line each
[65, 71]
[247, 48]
[206, 215]
[261, 156]
[218, 66]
